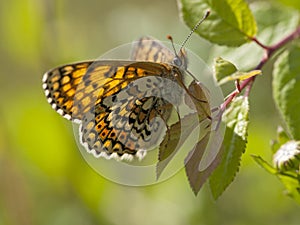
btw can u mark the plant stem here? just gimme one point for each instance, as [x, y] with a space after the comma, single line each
[268, 52]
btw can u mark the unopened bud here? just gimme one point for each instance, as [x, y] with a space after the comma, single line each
[287, 156]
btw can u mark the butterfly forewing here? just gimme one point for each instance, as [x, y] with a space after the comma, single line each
[60, 86]
[84, 81]
[122, 106]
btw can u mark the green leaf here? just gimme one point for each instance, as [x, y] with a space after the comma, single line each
[223, 68]
[274, 21]
[286, 89]
[289, 179]
[292, 186]
[234, 145]
[225, 71]
[260, 161]
[240, 75]
[230, 23]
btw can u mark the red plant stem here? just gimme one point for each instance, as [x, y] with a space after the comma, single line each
[269, 51]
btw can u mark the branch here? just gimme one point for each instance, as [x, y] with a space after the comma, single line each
[268, 53]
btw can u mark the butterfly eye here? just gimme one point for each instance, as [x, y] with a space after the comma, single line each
[177, 61]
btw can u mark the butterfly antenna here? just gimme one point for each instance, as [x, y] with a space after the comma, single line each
[195, 28]
[172, 42]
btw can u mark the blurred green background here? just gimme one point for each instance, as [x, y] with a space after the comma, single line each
[45, 180]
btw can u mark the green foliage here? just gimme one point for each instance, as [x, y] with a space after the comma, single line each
[231, 22]
[225, 71]
[276, 25]
[286, 89]
[223, 68]
[235, 29]
[234, 145]
[260, 161]
[286, 162]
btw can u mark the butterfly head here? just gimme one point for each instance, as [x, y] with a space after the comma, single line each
[180, 60]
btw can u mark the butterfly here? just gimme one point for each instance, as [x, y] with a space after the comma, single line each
[122, 106]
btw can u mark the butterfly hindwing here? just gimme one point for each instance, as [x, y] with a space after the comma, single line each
[126, 123]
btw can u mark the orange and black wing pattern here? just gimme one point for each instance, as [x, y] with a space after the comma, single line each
[60, 86]
[151, 50]
[117, 103]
